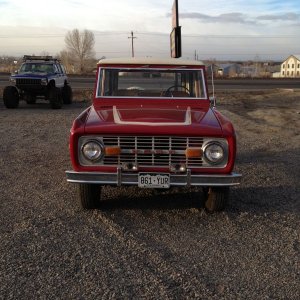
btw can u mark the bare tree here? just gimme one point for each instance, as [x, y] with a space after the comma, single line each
[80, 47]
[66, 59]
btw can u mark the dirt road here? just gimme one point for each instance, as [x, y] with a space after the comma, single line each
[144, 244]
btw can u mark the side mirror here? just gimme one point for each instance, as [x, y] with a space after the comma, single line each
[213, 101]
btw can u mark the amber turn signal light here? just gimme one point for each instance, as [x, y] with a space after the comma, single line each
[193, 152]
[112, 151]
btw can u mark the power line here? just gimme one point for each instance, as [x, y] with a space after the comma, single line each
[113, 33]
[241, 36]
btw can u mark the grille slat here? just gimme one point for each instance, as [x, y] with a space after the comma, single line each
[28, 81]
[145, 150]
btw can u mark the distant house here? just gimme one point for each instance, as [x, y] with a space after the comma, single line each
[229, 70]
[248, 71]
[224, 70]
[291, 67]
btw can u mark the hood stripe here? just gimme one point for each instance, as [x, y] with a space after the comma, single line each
[187, 121]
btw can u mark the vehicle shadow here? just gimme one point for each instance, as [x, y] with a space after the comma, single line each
[253, 200]
[113, 198]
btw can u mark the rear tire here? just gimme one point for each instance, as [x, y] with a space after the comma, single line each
[55, 98]
[216, 198]
[89, 195]
[11, 97]
[67, 94]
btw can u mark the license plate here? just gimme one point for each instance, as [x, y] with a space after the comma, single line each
[153, 180]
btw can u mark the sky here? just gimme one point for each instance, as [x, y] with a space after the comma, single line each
[211, 29]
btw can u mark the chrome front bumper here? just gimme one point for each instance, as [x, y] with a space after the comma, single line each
[121, 178]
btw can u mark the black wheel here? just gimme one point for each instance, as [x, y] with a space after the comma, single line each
[55, 98]
[67, 94]
[216, 198]
[30, 99]
[11, 97]
[89, 195]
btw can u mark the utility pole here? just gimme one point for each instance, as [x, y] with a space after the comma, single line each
[132, 48]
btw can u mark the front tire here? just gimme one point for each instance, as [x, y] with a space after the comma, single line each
[89, 195]
[11, 97]
[55, 98]
[216, 198]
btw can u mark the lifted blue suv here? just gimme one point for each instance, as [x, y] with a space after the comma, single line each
[39, 77]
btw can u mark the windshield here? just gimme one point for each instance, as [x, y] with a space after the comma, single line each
[36, 68]
[114, 82]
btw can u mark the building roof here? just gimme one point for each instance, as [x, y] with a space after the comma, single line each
[224, 66]
[150, 61]
[297, 56]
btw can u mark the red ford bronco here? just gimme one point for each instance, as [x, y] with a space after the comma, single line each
[152, 125]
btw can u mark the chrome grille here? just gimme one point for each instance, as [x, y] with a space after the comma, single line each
[153, 150]
[28, 81]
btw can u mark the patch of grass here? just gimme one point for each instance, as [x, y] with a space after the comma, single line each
[85, 96]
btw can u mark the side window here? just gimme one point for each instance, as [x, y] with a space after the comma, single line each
[63, 69]
[55, 69]
[59, 70]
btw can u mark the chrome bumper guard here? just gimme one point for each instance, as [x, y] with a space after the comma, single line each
[121, 178]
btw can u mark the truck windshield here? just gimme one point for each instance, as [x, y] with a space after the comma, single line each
[36, 68]
[115, 82]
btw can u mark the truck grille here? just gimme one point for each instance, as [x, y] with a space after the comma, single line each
[28, 81]
[153, 150]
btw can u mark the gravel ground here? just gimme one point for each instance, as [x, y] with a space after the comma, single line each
[144, 244]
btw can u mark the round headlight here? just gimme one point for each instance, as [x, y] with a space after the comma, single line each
[214, 153]
[92, 150]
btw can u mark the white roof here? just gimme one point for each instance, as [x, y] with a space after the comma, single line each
[150, 61]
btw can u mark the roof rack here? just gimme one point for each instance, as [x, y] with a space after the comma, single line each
[39, 57]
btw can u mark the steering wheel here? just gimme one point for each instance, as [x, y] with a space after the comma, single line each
[168, 92]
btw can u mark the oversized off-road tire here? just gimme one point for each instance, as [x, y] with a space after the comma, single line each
[89, 195]
[11, 97]
[216, 198]
[55, 98]
[67, 94]
[30, 99]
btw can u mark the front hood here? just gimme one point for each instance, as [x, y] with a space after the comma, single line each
[30, 75]
[184, 120]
